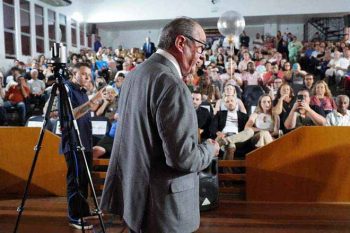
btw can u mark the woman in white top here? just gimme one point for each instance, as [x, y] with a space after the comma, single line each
[264, 124]
[229, 90]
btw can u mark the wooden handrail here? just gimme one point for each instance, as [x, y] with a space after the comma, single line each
[232, 163]
[230, 177]
[99, 175]
[101, 162]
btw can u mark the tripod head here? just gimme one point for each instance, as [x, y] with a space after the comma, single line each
[59, 61]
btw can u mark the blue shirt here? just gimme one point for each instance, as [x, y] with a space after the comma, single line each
[78, 97]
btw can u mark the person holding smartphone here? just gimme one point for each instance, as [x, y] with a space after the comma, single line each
[304, 114]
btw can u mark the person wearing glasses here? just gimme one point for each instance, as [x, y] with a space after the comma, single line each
[153, 182]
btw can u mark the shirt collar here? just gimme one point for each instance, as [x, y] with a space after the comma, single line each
[172, 59]
[341, 115]
[77, 87]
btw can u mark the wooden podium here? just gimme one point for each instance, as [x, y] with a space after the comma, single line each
[309, 164]
[16, 156]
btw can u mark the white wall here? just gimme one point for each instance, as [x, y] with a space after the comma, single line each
[124, 10]
[136, 38]
[295, 29]
[128, 38]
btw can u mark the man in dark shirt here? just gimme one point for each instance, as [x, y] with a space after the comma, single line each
[148, 47]
[304, 114]
[97, 44]
[203, 115]
[77, 180]
[228, 125]
[244, 39]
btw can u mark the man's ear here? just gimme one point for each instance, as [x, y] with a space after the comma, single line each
[180, 43]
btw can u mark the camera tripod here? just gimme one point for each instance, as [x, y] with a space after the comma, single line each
[69, 123]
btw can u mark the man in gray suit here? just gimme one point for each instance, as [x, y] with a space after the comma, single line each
[152, 179]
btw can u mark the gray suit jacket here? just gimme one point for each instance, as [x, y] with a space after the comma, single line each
[152, 179]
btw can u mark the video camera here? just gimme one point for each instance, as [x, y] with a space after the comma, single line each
[59, 61]
[59, 54]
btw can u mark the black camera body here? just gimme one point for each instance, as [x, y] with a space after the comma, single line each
[300, 97]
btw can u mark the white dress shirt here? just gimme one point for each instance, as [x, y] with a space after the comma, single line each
[335, 118]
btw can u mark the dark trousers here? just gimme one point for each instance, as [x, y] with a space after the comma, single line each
[77, 189]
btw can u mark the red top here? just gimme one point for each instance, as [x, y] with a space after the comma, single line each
[326, 103]
[14, 94]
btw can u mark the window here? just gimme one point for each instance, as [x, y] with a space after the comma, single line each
[89, 41]
[74, 33]
[25, 27]
[52, 27]
[9, 28]
[63, 28]
[82, 34]
[39, 28]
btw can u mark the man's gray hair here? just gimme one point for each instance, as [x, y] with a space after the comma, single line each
[339, 97]
[178, 26]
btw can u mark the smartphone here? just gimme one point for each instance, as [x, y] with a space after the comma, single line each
[300, 97]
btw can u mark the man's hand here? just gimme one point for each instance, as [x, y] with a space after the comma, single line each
[304, 106]
[296, 106]
[216, 145]
[99, 96]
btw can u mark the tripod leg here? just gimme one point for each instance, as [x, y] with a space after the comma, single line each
[37, 150]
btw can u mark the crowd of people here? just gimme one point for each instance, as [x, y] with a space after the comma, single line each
[243, 99]
[277, 82]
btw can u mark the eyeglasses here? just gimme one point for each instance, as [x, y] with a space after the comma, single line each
[200, 49]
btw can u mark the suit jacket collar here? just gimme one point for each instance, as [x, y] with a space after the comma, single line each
[171, 59]
[242, 119]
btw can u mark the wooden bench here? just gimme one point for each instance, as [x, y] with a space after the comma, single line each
[236, 180]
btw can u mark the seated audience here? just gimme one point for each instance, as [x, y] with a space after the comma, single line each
[230, 75]
[209, 91]
[203, 116]
[340, 116]
[304, 114]
[263, 122]
[309, 82]
[3, 117]
[228, 126]
[109, 105]
[336, 68]
[283, 103]
[273, 88]
[269, 76]
[16, 96]
[322, 97]
[37, 89]
[243, 65]
[287, 72]
[104, 146]
[297, 75]
[118, 81]
[229, 90]
[251, 76]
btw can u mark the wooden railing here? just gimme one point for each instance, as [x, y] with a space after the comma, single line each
[235, 180]
[309, 164]
[99, 173]
[236, 187]
[16, 157]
